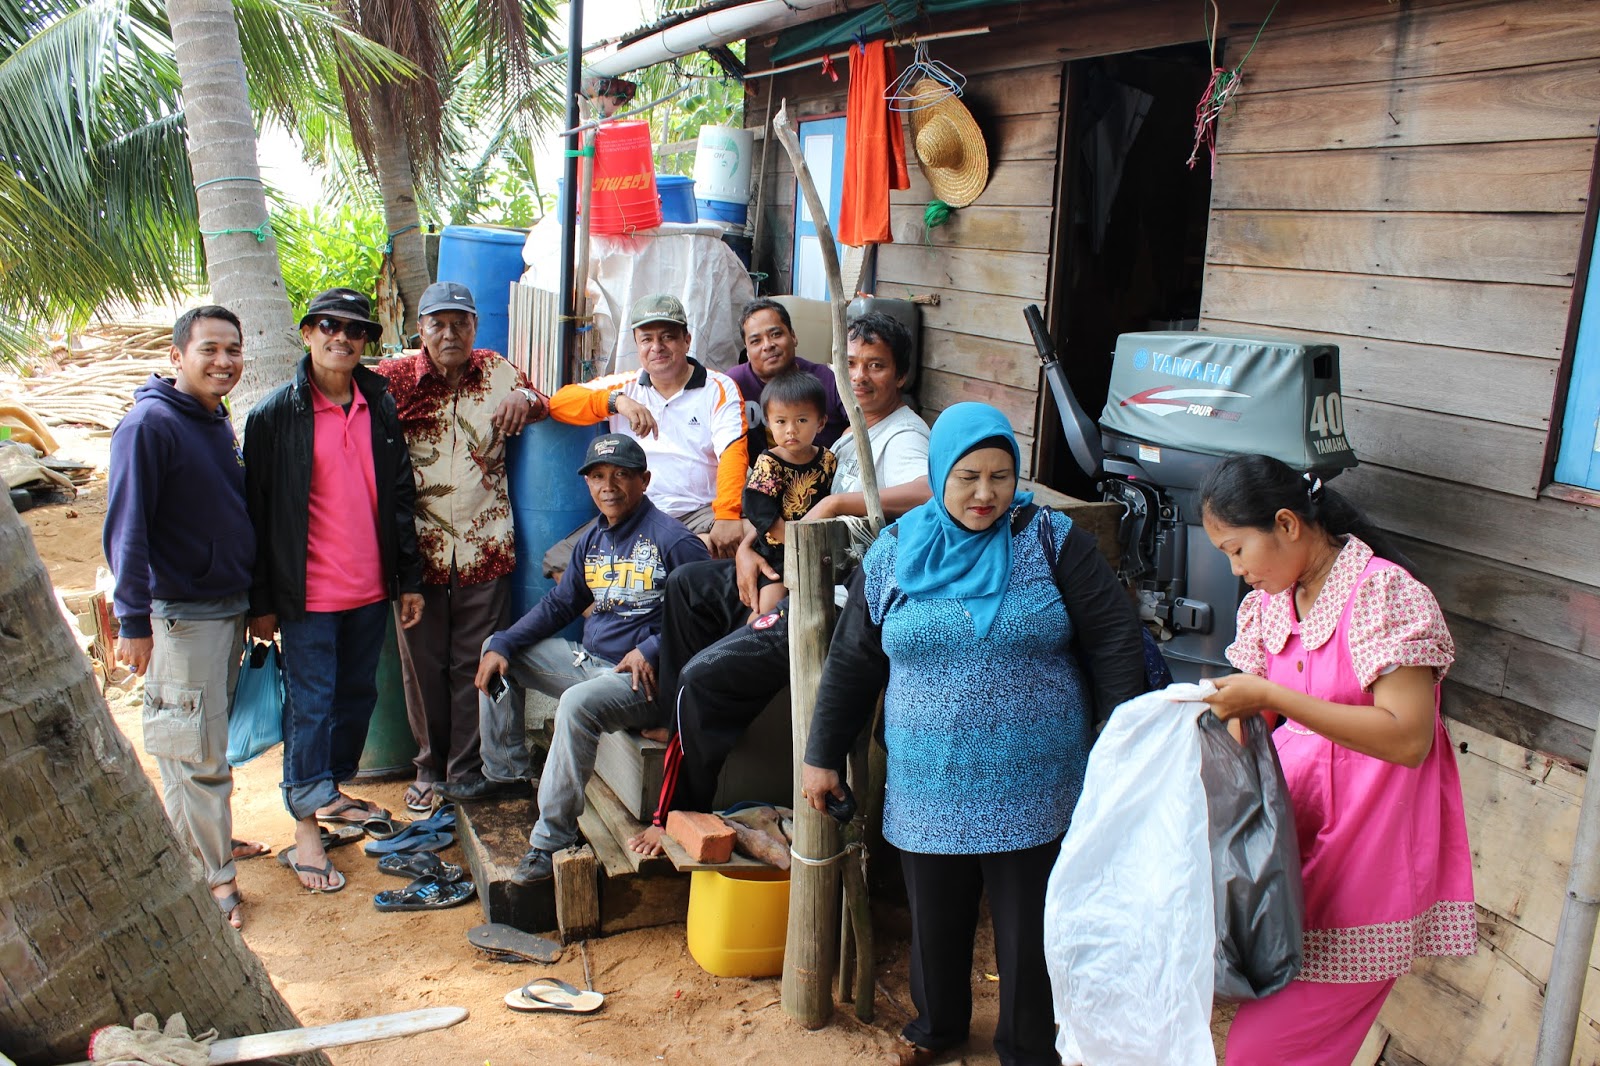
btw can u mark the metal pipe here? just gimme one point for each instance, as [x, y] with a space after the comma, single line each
[1569, 963]
[569, 205]
[907, 43]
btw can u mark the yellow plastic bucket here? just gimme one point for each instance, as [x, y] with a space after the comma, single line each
[738, 921]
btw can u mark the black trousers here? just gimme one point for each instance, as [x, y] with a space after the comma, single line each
[720, 674]
[944, 891]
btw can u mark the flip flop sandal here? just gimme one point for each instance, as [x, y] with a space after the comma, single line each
[414, 864]
[507, 943]
[338, 838]
[352, 811]
[228, 905]
[286, 859]
[419, 799]
[383, 828]
[249, 849]
[442, 820]
[408, 841]
[425, 894]
[547, 993]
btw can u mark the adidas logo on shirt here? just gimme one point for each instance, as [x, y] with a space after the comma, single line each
[693, 420]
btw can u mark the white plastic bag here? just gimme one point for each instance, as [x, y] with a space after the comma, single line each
[1129, 927]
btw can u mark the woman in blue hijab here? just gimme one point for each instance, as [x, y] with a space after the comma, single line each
[988, 718]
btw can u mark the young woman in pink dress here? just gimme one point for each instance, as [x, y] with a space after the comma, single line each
[1343, 644]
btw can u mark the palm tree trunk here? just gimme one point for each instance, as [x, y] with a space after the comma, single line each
[243, 268]
[397, 182]
[103, 913]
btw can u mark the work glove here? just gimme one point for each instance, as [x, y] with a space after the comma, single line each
[146, 1045]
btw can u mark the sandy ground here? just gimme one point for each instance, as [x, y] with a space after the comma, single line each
[335, 958]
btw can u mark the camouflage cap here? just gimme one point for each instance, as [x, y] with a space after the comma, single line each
[661, 307]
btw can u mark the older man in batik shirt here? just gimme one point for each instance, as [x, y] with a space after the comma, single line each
[457, 405]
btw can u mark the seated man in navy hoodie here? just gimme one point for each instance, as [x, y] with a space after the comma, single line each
[608, 682]
[180, 543]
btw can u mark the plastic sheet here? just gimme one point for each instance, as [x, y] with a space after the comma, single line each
[689, 261]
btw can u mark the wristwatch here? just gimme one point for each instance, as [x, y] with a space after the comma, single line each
[611, 402]
[529, 395]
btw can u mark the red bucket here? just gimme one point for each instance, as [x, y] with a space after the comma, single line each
[622, 197]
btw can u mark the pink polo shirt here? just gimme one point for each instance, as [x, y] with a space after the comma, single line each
[344, 569]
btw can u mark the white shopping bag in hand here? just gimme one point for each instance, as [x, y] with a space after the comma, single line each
[1130, 931]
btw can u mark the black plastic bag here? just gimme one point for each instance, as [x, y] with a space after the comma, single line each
[1255, 861]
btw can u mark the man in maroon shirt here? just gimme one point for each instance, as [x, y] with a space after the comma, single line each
[457, 405]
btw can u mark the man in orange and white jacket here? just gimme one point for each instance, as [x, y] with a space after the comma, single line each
[688, 419]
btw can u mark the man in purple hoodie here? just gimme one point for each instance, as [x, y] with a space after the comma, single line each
[181, 545]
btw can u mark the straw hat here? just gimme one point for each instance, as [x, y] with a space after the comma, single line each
[949, 145]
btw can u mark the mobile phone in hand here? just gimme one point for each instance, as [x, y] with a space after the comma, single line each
[497, 687]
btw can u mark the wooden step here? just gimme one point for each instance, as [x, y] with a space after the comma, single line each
[620, 824]
[494, 838]
[632, 767]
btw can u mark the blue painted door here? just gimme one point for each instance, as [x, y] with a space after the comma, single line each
[1578, 462]
[822, 144]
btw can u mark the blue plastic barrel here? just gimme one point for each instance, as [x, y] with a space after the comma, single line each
[677, 198]
[722, 211]
[548, 500]
[486, 259]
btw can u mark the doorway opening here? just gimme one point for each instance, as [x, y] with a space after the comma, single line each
[1131, 228]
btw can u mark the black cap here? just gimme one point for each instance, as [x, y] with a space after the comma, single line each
[618, 449]
[340, 303]
[446, 296]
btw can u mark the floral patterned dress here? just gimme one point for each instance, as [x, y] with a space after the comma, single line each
[1385, 859]
[777, 488]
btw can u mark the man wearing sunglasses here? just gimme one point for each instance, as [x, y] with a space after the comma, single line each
[458, 404]
[329, 486]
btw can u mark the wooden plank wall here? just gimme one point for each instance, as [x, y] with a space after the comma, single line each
[1413, 186]
[1484, 1010]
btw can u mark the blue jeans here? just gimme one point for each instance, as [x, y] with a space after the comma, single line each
[330, 674]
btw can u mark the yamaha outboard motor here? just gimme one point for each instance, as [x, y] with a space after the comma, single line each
[1179, 402]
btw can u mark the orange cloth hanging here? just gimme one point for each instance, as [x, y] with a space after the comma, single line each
[875, 149]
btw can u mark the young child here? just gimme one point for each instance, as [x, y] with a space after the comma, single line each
[1348, 648]
[790, 477]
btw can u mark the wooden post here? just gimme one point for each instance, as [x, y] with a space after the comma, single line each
[808, 958]
[577, 894]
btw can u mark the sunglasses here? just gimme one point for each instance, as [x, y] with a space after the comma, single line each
[356, 331]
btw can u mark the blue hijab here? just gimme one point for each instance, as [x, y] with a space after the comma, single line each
[938, 557]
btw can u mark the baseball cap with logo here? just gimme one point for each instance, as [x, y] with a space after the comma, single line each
[340, 303]
[618, 449]
[661, 307]
[446, 296]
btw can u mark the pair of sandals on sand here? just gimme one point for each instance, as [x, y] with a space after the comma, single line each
[435, 884]
[352, 820]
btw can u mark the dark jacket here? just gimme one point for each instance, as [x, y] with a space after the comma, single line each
[176, 526]
[278, 445]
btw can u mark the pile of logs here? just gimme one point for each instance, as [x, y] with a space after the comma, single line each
[92, 380]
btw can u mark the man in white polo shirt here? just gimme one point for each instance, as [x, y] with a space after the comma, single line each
[689, 420]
